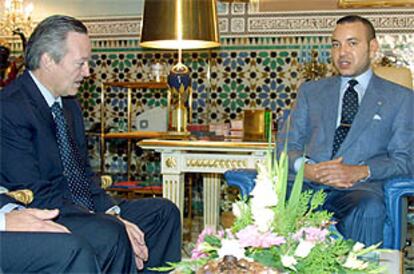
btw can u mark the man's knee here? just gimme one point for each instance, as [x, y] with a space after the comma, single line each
[111, 230]
[170, 210]
[372, 207]
[73, 246]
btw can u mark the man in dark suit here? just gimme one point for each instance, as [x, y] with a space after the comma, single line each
[355, 130]
[30, 242]
[44, 150]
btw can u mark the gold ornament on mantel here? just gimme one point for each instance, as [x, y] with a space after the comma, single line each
[374, 3]
[313, 70]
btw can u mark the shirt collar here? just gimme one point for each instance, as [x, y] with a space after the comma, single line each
[50, 99]
[363, 80]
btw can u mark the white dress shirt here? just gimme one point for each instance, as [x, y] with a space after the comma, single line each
[6, 209]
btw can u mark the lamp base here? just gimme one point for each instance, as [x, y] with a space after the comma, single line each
[179, 98]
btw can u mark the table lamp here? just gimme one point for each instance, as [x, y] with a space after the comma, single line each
[181, 25]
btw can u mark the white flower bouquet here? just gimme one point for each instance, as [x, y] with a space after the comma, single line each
[274, 234]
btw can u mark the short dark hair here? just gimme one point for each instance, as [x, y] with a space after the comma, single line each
[49, 36]
[356, 18]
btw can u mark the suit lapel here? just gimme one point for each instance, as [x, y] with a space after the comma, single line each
[370, 105]
[329, 105]
[43, 110]
[36, 98]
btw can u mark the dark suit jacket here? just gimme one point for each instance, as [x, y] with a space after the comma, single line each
[29, 150]
[381, 136]
[4, 200]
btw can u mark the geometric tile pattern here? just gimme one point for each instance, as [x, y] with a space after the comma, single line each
[243, 73]
[239, 78]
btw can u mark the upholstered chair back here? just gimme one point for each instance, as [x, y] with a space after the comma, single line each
[399, 75]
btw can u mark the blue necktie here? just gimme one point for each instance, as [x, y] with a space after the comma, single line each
[73, 171]
[349, 110]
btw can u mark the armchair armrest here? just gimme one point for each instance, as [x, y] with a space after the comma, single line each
[243, 178]
[395, 194]
[24, 196]
[106, 181]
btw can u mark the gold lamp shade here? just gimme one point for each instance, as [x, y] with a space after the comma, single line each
[180, 24]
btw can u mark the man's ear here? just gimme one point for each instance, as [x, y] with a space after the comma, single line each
[47, 62]
[373, 47]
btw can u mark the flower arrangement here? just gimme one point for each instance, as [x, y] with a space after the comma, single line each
[278, 235]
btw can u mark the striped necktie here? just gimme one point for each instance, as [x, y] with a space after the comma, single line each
[73, 170]
[349, 110]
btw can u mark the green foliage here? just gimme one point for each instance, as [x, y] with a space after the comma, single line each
[302, 209]
[213, 240]
[317, 218]
[283, 222]
[289, 215]
[308, 210]
[317, 200]
[296, 191]
[184, 267]
[325, 258]
[243, 221]
[268, 257]
[282, 174]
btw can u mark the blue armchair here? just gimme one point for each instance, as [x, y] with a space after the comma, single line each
[396, 192]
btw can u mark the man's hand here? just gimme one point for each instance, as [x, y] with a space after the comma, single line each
[335, 173]
[136, 237]
[34, 220]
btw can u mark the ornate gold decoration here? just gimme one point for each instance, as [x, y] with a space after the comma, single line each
[389, 61]
[211, 163]
[123, 32]
[374, 3]
[17, 17]
[314, 70]
[171, 162]
[25, 196]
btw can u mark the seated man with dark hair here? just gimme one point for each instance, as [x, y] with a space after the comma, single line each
[356, 131]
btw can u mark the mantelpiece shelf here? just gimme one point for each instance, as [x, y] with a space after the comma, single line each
[139, 135]
[151, 84]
